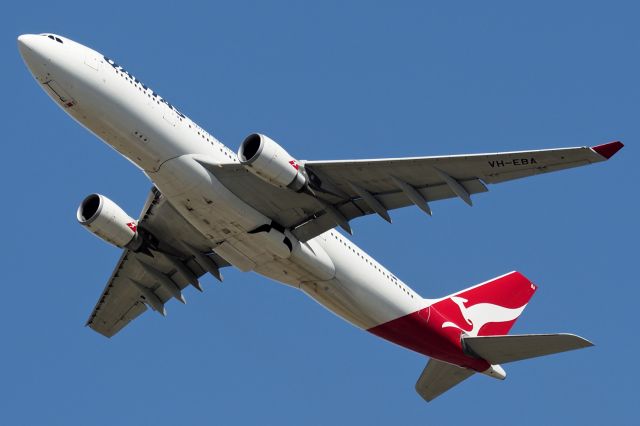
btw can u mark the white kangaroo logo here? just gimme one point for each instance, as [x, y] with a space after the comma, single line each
[482, 313]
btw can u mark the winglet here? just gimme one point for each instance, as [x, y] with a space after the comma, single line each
[607, 150]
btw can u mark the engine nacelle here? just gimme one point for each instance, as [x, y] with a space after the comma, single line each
[104, 218]
[270, 162]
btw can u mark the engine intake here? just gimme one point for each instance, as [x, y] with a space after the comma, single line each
[105, 219]
[270, 162]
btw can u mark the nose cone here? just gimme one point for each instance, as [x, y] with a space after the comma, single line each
[26, 44]
[33, 51]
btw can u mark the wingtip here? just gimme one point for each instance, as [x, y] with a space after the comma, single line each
[580, 341]
[585, 343]
[608, 150]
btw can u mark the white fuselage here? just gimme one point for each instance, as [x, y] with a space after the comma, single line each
[164, 143]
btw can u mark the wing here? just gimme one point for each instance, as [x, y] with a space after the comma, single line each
[438, 377]
[151, 279]
[344, 190]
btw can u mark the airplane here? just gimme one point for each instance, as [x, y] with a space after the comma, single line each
[264, 210]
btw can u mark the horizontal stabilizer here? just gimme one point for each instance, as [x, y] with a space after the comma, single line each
[438, 377]
[503, 349]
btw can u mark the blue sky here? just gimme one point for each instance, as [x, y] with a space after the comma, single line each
[330, 81]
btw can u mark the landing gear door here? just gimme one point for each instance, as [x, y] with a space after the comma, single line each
[59, 94]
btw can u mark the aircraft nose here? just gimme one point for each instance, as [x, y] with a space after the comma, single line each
[34, 52]
[32, 49]
[25, 43]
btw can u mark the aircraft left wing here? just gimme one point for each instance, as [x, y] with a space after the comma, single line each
[150, 279]
[345, 189]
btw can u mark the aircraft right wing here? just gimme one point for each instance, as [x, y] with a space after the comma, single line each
[346, 189]
[151, 279]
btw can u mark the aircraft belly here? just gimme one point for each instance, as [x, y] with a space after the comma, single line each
[284, 270]
[199, 196]
[357, 291]
[360, 293]
[225, 220]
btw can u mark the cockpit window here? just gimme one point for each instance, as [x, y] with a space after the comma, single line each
[52, 37]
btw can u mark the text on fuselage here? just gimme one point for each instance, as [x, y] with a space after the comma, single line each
[155, 95]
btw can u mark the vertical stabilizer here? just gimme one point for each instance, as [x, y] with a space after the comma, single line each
[487, 309]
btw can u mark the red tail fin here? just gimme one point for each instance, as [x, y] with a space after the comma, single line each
[487, 309]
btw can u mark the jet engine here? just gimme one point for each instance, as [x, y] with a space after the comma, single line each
[270, 162]
[104, 218]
